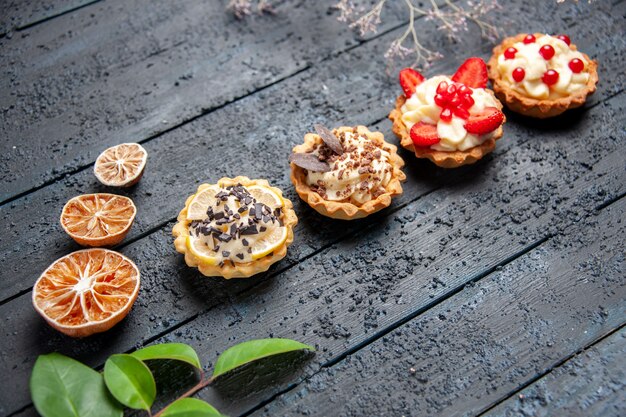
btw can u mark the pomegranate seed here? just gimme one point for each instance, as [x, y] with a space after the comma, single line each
[446, 115]
[464, 90]
[547, 52]
[467, 102]
[519, 74]
[440, 100]
[529, 39]
[576, 65]
[550, 77]
[510, 53]
[455, 101]
[565, 39]
[451, 89]
[461, 112]
[442, 87]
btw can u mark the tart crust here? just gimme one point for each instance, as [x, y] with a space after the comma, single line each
[346, 210]
[232, 269]
[528, 106]
[443, 159]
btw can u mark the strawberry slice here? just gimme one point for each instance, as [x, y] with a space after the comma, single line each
[472, 73]
[424, 134]
[409, 80]
[484, 122]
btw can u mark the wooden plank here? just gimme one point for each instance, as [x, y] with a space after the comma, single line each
[21, 14]
[126, 71]
[348, 292]
[160, 192]
[592, 383]
[166, 272]
[474, 348]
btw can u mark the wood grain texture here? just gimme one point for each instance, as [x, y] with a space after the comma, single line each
[457, 225]
[120, 71]
[361, 96]
[173, 294]
[482, 343]
[592, 383]
[339, 301]
[20, 14]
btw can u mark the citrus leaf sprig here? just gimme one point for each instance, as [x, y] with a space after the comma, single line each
[61, 386]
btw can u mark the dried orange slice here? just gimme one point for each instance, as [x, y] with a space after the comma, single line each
[98, 219]
[86, 292]
[121, 165]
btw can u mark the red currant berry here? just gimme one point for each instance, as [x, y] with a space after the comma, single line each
[565, 39]
[464, 90]
[440, 100]
[461, 112]
[547, 52]
[510, 53]
[519, 74]
[467, 102]
[576, 65]
[550, 77]
[446, 115]
[451, 89]
[529, 39]
[442, 87]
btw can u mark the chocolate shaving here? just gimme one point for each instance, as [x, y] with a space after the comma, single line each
[329, 138]
[309, 161]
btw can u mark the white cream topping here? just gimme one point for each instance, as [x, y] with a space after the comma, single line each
[359, 175]
[421, 107]
[530, 60]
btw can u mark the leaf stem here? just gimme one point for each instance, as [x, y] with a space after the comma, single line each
[204, 381]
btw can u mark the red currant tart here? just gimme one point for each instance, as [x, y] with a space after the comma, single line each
[541, 75]
[452, 121]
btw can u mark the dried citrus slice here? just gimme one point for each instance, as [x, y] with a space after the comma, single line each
[98, 219]
[201, 201]
[86, 292]
[121, 165]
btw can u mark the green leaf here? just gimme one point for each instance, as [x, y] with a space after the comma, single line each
[63, 387]
[175, 351]
[253, 350]
[130, 381]
[190, 407]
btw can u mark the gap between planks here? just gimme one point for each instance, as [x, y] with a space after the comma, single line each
[442, 299]
[392, 326]
[552, 368]
[204, 112]
[161, 225]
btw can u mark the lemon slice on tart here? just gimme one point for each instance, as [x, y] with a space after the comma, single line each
[269, 242]
[201, 251]
[235, 228]
[201, 201]
[266, 196]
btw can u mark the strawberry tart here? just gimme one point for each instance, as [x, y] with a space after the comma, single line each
[452, 121]
[540, 75]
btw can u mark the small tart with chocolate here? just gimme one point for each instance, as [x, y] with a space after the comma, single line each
[541, 75]
[236, 228]
[348, 173]
[451, 121]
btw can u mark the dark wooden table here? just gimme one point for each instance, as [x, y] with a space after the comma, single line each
[495, 289]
